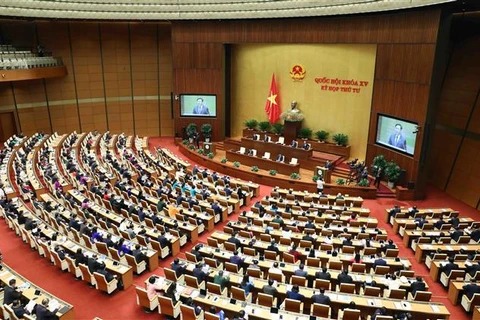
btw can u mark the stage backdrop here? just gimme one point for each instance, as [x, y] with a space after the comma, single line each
[335, 94]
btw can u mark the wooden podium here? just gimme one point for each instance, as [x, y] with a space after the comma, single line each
[208, 147]
[322, 171]
[290, 130]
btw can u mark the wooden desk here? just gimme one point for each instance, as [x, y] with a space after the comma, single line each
[424, 249]
[401, 222]
[5, 168]
[65, 312]
[275, 149]
[266, 164]
[436, 265]
[301, 195]
[476, 313]
[455, 289]
[427, 211]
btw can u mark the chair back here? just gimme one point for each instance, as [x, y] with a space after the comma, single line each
[407, 273]
[238, 294]
[102, 248]
[170, 274]
[270, 255]
[348, 249]
[231, 267]
[382, 270]
[166, 305]
[422, 296]
[320, 283]
[188, 313]
[250, 252]
[372, 291]
[397, 294]
[86, 275]
[191, 281]
[320, 310]
[101, 281]
[392, 253]
[191, 257]
[212, 242]
[143, 300]
[335, 265]
[369, 251]
[288, 258]
[211, 316]
[293, 305]
[230, 246]
[297, 280]
[265, 300]
[359, 267]
[347, 288]
[351, 314]
[254, 272]
[214, 288]
[276, 277]
[313, 262]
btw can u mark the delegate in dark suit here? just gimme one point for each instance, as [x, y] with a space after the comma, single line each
[10, 294]
[418, 285]
[200, 108]
[449, 267]
[321, 298]
[471, 289]
[397, 139]
[42, 312]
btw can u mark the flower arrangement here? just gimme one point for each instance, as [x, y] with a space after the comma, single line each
[224, 160]
[191, 147]
[210, 155]
[201, 151]
[254, 169]
[236, 164]
[273, 172]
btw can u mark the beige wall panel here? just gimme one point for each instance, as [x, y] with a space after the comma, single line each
[336, 112]
[34, 120]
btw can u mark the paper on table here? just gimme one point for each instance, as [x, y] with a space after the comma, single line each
[54, 304]
[29, 307]
[435, 308]
[449, 248]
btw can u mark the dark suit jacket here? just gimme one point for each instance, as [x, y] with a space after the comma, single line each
[237, 242]
[401, 143]
[199, 274]
[321, 299]
[449, 267]
[472, 270]
[344, 278]
[475, 235]
[471, 289]
[271, 290]
[417, 286]
[43, 313]
[379, 262]
[323, 276]
[273, 248]
[10, 294]
[178, 268]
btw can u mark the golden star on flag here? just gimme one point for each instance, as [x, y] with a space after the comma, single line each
[272, 98]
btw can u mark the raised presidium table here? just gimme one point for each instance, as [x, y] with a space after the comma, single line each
[276, 148]
[36, 294]
[355, 202]
[262, 163]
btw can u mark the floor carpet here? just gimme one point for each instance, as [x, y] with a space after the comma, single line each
[89, 303]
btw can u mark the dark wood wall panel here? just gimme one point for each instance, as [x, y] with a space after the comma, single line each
[443, 152]
[392, 58]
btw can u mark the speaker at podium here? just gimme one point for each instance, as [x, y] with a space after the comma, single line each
[323, 172]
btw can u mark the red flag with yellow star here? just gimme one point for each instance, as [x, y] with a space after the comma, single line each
[272, 107]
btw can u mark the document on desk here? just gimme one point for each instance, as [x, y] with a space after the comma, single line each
[31, 304]
[53, 305]
[435, 308]
[449, 248]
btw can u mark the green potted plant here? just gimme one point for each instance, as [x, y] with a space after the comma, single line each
[191, 147]
[272, 172]
[392, 172]
[295, 176]
[264, 126]
[305, 133]
[207, 131]
[236, 164]
[210, 155]
[340, 139]
[201, 151]
[185, 141]
[363, 183]
[251, 124]
[340, 182]
[322, 135]
[315, 178]
[378, 162]
[254, 168]
[191, 131]
[277, 128]
[224, 160]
